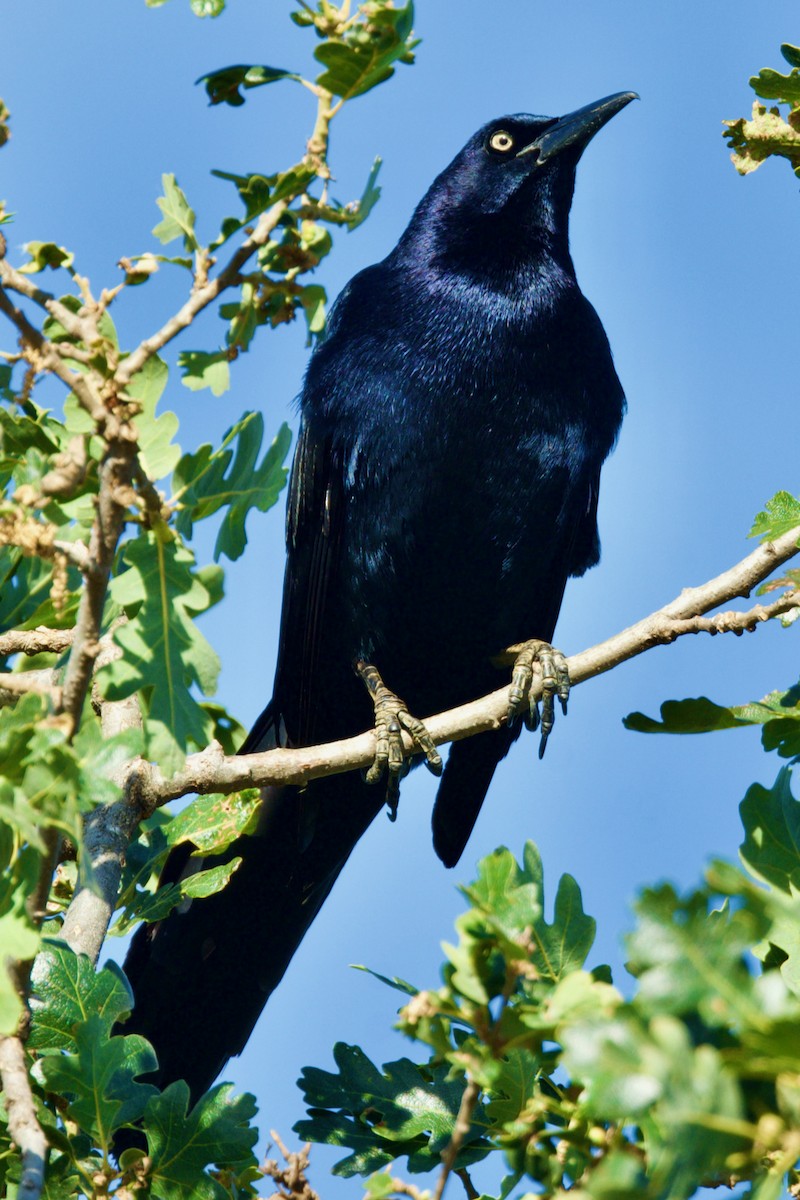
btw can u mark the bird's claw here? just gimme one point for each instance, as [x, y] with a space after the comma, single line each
[391, 718]
[555, 684]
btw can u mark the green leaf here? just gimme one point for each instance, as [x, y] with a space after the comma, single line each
[577, 996]
[178, 220]
[780, 514]
[686, 1098]
[383, 1115]
[157, 453]
[99, 1078]
[689, 959]
[46, 781]
[67, 991]
[349, 72]
[771, 820]
[765, 135]
[313, 298]
[184, 1144]
[45, 254]
[369, 198]
[205, 370]
[225, 728]
[24, 587]
[255, 192]
[791, 54]
[223, 86]
[399, 985]
[512, 900]
[207, 8]
[155, 906]
[164, 653]
[365, 59]
[19, 937]
[696, 716]
[515, 1083]
[771, 85]
[293, 182]
[213, 822]
[209, 480]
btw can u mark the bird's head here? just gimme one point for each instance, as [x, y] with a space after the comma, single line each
[511, 186]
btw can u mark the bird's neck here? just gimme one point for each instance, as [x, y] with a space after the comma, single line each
[510, 252]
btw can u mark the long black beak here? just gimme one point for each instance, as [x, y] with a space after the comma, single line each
[579, 127]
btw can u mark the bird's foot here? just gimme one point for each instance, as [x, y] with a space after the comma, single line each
[555, 683]
[391, 718]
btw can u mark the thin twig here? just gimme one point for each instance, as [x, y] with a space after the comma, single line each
[202, 297]
[469, 1186]
[116, 473]
[75, 323]
[13, 685]
[460, 1131]
[23, 1124]
[48, 358]
[291, 1178]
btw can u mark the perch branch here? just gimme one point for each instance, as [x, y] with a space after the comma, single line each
[23, 1124]
[145, 788]
[212, 771]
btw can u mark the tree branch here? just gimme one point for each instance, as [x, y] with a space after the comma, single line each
[107, 834]
[13, 685]
[40, 640]
[74, 324]
[212, 771]
[48, 357]
[23, 1124]
[145, 788]
[116, 473]
[202, 296]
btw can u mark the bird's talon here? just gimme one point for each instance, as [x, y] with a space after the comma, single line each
[555, 685]
[391, 718]
[531, 716]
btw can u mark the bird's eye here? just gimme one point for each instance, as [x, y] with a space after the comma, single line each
[501, 141]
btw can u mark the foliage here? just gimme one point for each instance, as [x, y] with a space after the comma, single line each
[690, 1082]
[99, 507]
[770, 131]
[524, 1051]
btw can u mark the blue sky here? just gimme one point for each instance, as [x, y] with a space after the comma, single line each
[692, 271]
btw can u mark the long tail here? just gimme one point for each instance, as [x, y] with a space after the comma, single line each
[465, 782]
[196, 999]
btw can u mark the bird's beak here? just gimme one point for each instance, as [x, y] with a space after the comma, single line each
[577, 128]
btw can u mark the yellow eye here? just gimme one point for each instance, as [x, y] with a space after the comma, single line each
[501, 141]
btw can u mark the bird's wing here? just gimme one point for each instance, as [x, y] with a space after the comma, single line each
[314, 523]
[584, 549]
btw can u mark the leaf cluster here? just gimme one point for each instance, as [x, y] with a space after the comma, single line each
[691, 1081]
[99, 509]
[770, 132]
[101, 1079]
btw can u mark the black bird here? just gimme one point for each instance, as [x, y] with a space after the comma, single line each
[445, 481]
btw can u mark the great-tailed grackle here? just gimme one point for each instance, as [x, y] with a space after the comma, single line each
[454, 422]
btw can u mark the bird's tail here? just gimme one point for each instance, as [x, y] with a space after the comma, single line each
[464, 784]
[201, 977]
